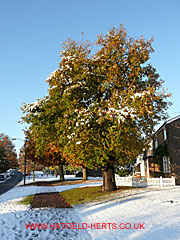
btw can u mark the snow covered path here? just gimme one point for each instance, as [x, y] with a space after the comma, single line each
[157, 210]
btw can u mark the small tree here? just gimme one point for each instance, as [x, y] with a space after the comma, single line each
[8, 156]
[42, 134]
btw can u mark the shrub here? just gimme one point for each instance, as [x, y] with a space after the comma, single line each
[122, 172]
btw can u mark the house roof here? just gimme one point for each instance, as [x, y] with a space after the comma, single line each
[166, 123]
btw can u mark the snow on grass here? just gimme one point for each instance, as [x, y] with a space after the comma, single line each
[39, 176]
[22, 191]
[157, 209]
[13, 223]
[13, 216]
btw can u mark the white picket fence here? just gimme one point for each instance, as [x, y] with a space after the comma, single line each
[162, 182]
[123, 181]
[135, 182]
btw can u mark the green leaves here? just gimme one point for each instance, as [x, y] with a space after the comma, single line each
[100, 106]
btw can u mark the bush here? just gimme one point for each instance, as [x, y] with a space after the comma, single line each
[122, 172]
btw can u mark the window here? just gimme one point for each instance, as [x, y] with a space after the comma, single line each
[151, 145]
[166, 165]
[165, 134]
[156, 143]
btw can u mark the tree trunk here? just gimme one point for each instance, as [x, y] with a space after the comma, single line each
[109, 183]
[33, 176]
[61, 172]
[84, 174]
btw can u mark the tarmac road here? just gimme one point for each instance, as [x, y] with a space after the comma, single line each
[12, 182]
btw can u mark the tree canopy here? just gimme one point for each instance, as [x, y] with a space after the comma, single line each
[102, 104]
[8, 156]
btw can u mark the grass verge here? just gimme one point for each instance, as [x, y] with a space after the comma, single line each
[87, 194]
[78, 196]
[27, 200]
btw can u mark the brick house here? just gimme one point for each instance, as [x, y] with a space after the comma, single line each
[162, 158]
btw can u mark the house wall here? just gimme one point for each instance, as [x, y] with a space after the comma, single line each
[172, 140]
[154, 168]
[173, 136]
[160, 137]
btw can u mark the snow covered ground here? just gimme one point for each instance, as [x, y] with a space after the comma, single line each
[156, 210]
[14, 216]
[39, 176]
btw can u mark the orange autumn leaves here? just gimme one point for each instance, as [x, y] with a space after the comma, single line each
[103, 103]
